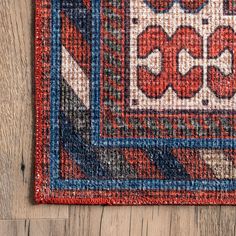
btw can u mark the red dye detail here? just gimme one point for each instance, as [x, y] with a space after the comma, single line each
[139, 160]
[68, 168]
[73, 41]
[87, 3]
[224, 86]
[190, 5]
[154, 86]
[193, 163]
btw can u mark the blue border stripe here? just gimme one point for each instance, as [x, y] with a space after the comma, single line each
[162, 142]
[55, 90]
[95, 75]
[146, 184]
[194, 185]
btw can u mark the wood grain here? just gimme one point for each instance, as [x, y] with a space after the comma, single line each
[16, 114]
[33, 227]
[16, 162]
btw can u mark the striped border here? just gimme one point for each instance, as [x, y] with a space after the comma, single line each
[43, 192]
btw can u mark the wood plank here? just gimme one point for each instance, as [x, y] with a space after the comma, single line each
[130, 221]
[47, 227]
[152, 220]
[13, 228]
[33, 227]
[162, 220]
[16, 115]
[216, 220]
[85, 220]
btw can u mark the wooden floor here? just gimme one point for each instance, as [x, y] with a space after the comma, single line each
[18, 214]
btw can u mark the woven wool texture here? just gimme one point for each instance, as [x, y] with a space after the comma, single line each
[135, 101]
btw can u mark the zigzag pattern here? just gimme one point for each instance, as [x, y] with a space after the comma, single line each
[78, 156]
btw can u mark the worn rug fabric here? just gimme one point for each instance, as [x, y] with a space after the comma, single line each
[135, 102]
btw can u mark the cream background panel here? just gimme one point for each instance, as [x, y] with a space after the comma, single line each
[170, 21]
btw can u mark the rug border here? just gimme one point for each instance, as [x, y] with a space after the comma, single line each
[43, 193]
[37, 99]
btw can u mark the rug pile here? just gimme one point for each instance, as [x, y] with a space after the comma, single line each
[135, 102]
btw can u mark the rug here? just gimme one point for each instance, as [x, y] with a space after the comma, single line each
[135, 102]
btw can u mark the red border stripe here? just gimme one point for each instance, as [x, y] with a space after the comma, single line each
[193, 163]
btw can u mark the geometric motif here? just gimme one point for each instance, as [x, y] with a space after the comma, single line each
[135, 102]
[203, 81]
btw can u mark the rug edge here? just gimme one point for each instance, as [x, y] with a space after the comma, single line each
[41, 198]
